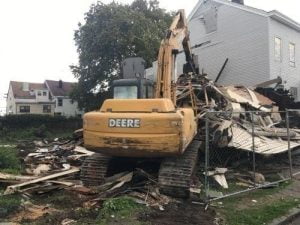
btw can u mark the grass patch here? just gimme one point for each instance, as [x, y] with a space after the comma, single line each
[121, 205]
[9, 204]
[122, 208]
[260, 214]
[9, 160]
[257, 194]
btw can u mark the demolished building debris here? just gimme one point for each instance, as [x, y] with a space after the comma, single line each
[54, 166]
[232, 111]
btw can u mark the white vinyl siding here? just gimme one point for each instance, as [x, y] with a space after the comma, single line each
[240, 36]
[289, 74]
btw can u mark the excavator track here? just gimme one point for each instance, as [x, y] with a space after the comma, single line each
[94, 170]
[175, 173]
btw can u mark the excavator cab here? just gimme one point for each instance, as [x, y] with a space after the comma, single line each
[139, 88]
[133, 85]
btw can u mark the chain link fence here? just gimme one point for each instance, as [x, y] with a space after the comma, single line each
[250, 153]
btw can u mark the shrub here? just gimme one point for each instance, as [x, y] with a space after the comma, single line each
[9, 204]
[36, 121]
[9, 160]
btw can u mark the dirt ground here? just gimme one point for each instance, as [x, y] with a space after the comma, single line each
[185, 213]
[296, 221]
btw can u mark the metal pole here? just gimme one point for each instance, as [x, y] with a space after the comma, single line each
[206, 153]
[253, 149]
[289, 142]
[250, 189]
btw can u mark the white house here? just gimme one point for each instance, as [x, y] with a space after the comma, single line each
[24, 97]
[41, 98]
[259, 45]
[60, 94]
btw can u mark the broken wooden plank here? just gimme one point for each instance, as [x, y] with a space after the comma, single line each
[65, 183]
[14, 188]
[83, 150]
[114, 181]
[6, 176]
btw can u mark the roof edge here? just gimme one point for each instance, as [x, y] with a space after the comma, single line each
[232, 4]
[274, 14]
[278, 16]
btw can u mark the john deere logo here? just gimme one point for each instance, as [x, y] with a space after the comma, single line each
[124, 123]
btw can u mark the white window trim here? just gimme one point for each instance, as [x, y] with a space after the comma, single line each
[276, 59]
[292, 63]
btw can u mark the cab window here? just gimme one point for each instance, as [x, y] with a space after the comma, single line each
[125, 92]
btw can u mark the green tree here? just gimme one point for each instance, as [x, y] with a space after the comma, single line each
[111, 33]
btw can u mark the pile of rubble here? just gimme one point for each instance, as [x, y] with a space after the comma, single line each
[56, 165]
[235, 114]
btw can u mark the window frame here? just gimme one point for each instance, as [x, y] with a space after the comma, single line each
[47, 110]
[22, 108]
[58, 102]
[276, 57]
[292, 62]
[44, 93]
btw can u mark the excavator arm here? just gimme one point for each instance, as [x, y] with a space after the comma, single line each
[177, 36]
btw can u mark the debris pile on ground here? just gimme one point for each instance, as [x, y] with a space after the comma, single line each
[56, 165]
[229, 108]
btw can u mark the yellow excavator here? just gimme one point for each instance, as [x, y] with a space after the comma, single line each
[135, 125]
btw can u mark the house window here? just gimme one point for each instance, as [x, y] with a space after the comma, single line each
[44, 93]
[278, 46]
[59, 102]
[46, 108]
[24, 109]
[292, 51]
[39, 93]
[294, 92]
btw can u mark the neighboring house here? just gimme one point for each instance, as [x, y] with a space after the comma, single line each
[259, 45]
[24, 97]
[60, 94]
[41, 98]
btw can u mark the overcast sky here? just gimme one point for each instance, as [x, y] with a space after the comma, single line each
[36, 36]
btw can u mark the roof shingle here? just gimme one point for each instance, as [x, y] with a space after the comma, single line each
[65, 90]
[17, 88]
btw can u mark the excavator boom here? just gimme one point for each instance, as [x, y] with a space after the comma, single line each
[177, 36]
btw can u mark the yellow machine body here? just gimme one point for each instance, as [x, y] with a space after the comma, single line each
[139, 128]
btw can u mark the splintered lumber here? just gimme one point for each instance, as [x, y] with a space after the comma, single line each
[65, 183]
[83, 150]
[115, 181]
[9, 177]
[14, 188]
